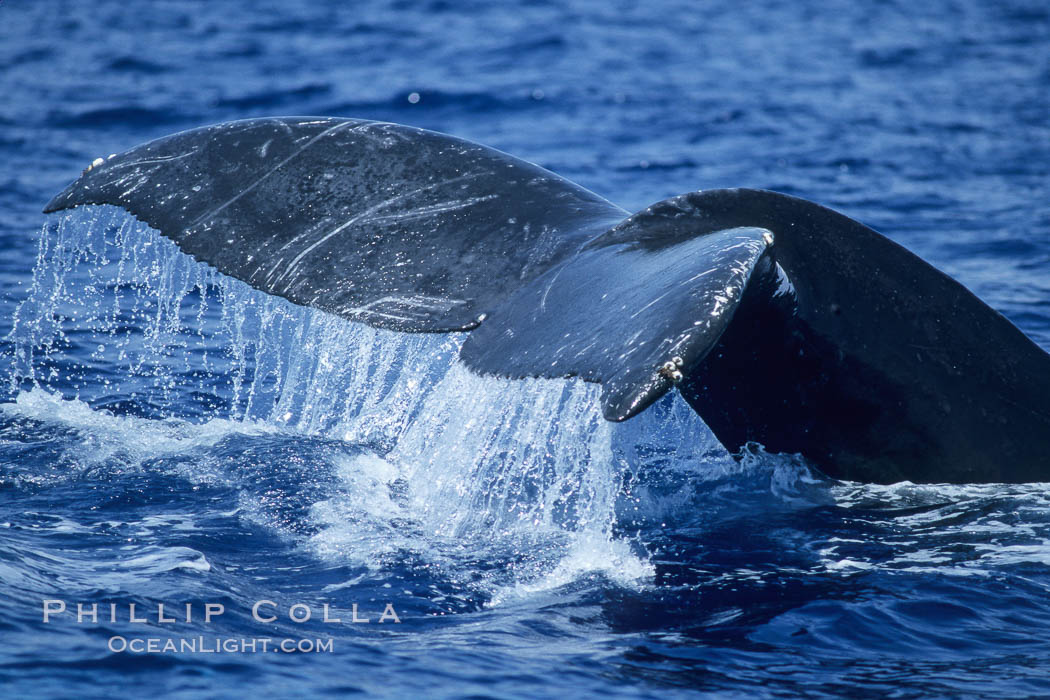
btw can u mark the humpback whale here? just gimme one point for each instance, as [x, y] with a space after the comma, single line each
[781, 322]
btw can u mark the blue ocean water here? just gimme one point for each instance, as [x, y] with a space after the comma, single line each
[171, 437]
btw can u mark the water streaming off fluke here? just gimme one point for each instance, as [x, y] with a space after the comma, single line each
[435, 459]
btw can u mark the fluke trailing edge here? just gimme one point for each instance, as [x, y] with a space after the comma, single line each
[781, 322]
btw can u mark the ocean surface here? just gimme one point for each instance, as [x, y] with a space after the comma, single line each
[170, 437]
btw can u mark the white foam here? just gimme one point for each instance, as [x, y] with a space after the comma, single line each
[134, 438]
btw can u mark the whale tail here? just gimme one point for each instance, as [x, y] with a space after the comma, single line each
[780, 321]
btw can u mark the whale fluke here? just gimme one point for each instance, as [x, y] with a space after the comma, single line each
[780, 321]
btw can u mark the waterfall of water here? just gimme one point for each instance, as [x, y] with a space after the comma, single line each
[120, 319]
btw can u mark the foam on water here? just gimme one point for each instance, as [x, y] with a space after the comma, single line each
[136, 438]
